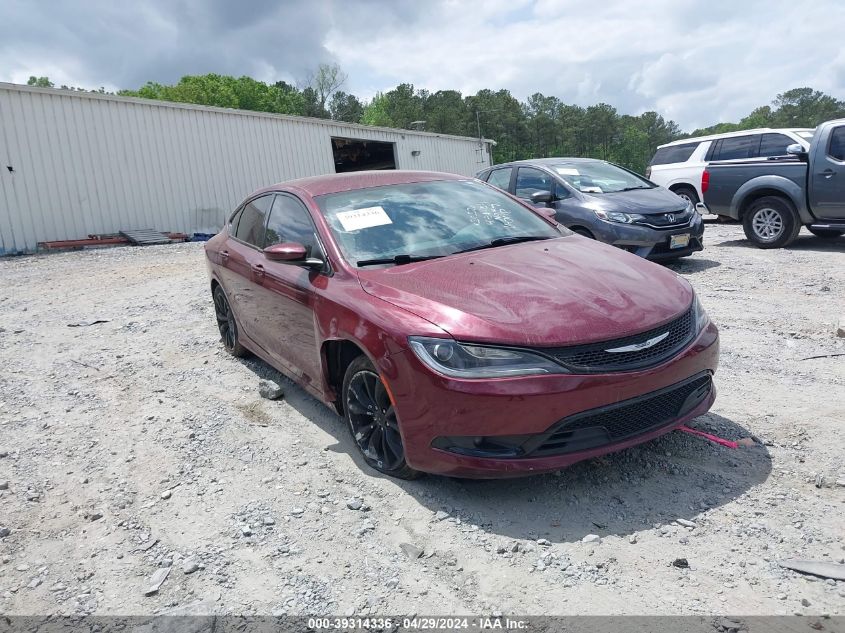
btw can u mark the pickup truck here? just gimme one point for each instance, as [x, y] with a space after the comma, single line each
[775, 197]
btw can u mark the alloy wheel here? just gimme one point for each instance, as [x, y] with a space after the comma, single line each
[373, 420]
[225, 319]
[767, 224]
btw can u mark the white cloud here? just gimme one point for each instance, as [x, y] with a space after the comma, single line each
[696, 61]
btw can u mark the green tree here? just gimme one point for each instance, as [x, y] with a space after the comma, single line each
[375, 112]
[40, 82]
[805, 107]
[346, 107]
[602, 124]
[759, 117]
[325, 81]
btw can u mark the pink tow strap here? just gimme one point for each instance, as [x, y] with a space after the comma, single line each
[709, 436]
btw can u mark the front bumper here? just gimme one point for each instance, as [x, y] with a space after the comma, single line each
[652, 243]
[433, 408]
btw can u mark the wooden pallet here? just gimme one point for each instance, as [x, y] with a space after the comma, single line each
[145, 237]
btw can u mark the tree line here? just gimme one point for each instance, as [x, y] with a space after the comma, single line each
[540, 126]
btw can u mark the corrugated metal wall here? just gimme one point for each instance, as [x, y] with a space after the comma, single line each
[75, 164]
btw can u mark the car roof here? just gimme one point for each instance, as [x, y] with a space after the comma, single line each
[711, 137]
[549, 162]
[336, 183]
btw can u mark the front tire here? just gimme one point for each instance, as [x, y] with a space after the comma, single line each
[226, 323]
[580, 230]
[372, 420]
[827, 234]
[687, 193]
[771, 222]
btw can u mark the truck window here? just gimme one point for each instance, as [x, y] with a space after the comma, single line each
[734, 147]
[837, 143]
[673, 154]
[774, 145]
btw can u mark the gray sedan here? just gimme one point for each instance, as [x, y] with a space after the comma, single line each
[605, 202]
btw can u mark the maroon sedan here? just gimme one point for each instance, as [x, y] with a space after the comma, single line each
[456, 329]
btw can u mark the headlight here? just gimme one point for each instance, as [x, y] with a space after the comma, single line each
[459, 360]
[618, 216]
[699, 314]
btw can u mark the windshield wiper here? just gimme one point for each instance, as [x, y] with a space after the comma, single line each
[630, 189]
[396, 259]
[502, 241]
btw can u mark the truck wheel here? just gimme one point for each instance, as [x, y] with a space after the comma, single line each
[771, 222]
[687, 193]
[825, 233]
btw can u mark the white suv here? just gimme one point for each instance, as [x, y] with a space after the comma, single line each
[679, 165]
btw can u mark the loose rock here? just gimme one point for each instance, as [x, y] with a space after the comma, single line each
[410, 550]
[190, 566]
[270, 390]
[156, 580]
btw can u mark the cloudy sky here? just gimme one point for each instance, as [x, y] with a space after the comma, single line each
[695, 61]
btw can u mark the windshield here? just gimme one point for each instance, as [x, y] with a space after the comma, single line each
[426, 219]
[600, 177]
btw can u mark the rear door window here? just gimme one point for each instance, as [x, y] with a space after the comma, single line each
[774, 145]
[734, 148]
[251, 224]
[673, 154]
[500, 178]
[530, 180]
[836, 149]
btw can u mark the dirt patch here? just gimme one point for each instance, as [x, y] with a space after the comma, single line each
[137, 444]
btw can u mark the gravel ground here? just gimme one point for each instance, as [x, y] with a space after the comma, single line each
[136, 446]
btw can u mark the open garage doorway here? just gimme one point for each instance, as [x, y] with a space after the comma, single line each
[352, 154]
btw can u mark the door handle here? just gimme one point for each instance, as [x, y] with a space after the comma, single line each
[258, 269]
[224, 255]
[828, 173]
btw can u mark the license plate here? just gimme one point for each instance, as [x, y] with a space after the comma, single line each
[679, 241]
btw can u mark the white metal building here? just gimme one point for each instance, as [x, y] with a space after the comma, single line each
[74, 164]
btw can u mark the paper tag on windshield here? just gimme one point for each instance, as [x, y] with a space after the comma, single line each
[567, 171]
[363, 218]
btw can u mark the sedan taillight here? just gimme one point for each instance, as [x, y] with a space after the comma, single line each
[705, 181]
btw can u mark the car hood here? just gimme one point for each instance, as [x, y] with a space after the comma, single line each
[562, 291]
[657, 200]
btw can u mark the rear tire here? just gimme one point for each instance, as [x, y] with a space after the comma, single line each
[687, 193]
[372, 420]
[771, 222]
[226, 323]
[827, 234]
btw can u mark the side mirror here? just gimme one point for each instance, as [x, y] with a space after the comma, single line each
[796, 149]
[292, 253]
[285, 252]
[541, 197]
